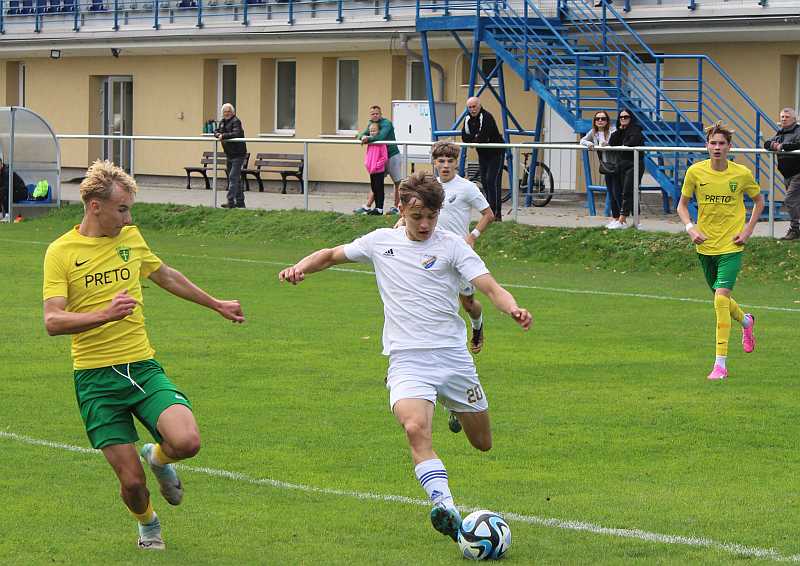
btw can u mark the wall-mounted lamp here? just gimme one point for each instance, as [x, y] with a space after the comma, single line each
[115, 52]
[55, 54]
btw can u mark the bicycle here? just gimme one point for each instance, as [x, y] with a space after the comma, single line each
[541, 189]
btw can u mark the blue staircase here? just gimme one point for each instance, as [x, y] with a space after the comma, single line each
[579, 59]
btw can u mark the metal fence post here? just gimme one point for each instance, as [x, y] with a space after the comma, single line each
[405, 161]
[214, 180]
[514, 184]
[771, 195]
[133, 173]
[635, 188]
[305, 173]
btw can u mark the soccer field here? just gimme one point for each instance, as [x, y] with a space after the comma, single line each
[610, 446]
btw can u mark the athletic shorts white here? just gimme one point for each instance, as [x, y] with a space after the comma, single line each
[395, 168]
[466, 288]
[446, 374]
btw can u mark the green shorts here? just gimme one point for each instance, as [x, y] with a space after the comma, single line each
[721, 270]
[109, 397]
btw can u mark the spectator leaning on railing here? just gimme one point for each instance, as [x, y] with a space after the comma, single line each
[788, 139]
[235, 152]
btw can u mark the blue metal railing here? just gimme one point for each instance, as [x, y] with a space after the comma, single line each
[33, 15]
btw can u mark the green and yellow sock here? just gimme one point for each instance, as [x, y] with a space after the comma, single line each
[722, 306]
[160, 457]
[147, 517]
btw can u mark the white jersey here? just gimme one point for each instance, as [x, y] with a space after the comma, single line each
[460, 197]
[418, 283]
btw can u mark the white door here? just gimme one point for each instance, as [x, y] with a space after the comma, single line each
[562, 163]
[118, 120]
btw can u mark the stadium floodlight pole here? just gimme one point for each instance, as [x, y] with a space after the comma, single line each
[305, 173]
[515, 184]
[214, 180]
[771, 192]
[635, 188]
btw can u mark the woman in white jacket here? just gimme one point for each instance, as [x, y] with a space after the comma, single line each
[598, 136]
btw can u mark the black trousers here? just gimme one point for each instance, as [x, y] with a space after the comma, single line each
[615, 194]
[491, 169]
[376, 184]
[625, 181]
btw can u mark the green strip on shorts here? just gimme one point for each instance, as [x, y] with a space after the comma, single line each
[721, 270]
[110, 397]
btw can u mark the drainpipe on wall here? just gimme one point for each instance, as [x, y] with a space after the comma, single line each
[414, 56]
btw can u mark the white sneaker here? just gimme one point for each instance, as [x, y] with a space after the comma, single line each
[168, 481]
[150, 536]
[624, 225]
[613, 225]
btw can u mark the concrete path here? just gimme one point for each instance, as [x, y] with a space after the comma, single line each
[567, 210]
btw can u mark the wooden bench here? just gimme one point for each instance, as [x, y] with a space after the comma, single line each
[283, 164]
[207, 165]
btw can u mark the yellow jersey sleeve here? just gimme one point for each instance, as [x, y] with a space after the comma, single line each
[689, 183]
[751, 188]
[56, 279]
[150, 261]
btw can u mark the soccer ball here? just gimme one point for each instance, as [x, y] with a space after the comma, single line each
[484, 535]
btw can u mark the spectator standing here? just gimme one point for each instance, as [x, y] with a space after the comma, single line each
[480, 127]
[230, 127]
[376, 160]
[628, 133]
[599, 136]
[394, 167]
[788, 139]
[20, 191]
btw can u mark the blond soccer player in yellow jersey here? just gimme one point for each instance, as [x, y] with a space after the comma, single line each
[92, 291]
[719, 186]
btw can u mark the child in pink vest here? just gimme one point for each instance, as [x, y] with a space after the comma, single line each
[375, 161]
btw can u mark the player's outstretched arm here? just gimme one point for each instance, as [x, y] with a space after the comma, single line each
[318, 261]
[758, 207]
[683, 212]
[57, 320]
[178, 284]
[502, 299]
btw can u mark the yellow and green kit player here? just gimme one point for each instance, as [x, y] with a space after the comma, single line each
[92, 291]
[719, 186]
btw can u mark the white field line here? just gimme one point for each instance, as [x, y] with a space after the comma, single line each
[730, 548]
[510, 285]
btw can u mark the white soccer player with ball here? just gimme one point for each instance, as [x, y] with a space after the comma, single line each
[419, 270]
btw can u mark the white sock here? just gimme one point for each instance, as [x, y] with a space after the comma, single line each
[477, 322]
[433, 478]
[747, 321]
[720, 361]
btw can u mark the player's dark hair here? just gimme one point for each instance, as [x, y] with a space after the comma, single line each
[445, 149]
[719, 128]
[423, 187]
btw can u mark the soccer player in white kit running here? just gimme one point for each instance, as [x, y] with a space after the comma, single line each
[418, 270]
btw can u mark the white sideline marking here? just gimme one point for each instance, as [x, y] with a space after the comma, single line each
[511, 285]
[731, 548]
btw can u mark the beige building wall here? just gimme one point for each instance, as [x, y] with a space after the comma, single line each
[175, 94]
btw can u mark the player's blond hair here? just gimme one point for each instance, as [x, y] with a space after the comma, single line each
[719, 128]
[101, 178]
[423, 187]
[445, 149]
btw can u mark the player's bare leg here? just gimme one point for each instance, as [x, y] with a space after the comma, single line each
[478, 429]
[416, 418]
[133, 490]
[181, 440]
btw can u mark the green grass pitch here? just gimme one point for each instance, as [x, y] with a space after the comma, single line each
[602, 417]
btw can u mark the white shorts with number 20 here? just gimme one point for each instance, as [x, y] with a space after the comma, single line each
[446, 374]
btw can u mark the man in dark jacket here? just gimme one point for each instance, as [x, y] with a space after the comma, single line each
[20, 190]
[480, 127]
[788, 139]
[231, 127]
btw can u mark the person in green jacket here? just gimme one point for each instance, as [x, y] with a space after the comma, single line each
[394, 168]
